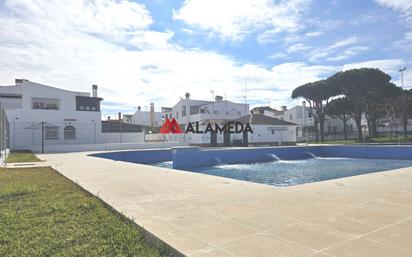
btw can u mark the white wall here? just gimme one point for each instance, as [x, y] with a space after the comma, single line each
[122, 138]
[143, 118]
[215, 110]
[22, 120]
[103, 147]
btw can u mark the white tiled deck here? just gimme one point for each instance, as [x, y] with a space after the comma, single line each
[201, 215]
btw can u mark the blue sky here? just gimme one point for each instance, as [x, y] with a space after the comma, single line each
[156, 50]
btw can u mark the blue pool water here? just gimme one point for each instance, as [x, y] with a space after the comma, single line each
[293, 172]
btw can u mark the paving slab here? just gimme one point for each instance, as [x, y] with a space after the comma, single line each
[202, 215]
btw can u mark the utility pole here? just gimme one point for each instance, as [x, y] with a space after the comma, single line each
[401, 71]
[42, 137]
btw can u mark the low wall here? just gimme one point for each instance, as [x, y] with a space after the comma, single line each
[100, 147]
[111, 137]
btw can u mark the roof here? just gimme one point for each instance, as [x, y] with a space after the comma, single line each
[261, 109]
[260, 119]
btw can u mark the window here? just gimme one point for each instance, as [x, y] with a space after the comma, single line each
[290, 117]
[299, 114]
[51, 132]
[183, 111]
[69, 132]
[45, 103]
[86, 103]
[194, 110]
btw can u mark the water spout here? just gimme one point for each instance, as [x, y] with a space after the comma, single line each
[273, 157]
[311, 154]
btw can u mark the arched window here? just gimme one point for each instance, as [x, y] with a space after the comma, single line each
[69, 132]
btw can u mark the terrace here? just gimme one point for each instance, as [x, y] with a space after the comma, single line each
[199, 215]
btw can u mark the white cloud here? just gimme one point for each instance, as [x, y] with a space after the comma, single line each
[39, 42]
[314, 34]
[349, 52]
[405, 8]
[234, 19]
[389, 66]
[324, 52]
[299, 47]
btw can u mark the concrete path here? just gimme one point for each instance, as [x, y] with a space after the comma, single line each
[201, 215]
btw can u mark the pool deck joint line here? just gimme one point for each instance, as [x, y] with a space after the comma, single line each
[202, 215]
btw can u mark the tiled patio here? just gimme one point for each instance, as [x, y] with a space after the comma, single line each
[200, 215]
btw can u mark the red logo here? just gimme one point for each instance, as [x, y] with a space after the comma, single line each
[170, 127]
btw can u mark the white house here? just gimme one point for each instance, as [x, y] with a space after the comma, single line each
[64, 117]
[147, 118]
[266, 130]
[188, 110]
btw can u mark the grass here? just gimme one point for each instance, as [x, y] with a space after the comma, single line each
[44, 214]
[21, 156]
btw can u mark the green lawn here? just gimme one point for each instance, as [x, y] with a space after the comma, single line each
[21, 156]
[44, 214]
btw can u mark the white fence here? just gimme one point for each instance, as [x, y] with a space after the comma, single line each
[73, 136]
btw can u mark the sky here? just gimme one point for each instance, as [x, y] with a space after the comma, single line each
[254, 51]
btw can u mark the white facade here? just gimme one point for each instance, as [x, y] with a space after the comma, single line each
[188, 110]
[66, 117]
[303, 118]
[147, 118]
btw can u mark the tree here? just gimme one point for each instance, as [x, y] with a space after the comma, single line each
[340, 108]
[391, 104]
[405, 109]
[360, 87]
[317, 94]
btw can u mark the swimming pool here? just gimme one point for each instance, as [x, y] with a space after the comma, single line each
[279, 166]
[294, 172]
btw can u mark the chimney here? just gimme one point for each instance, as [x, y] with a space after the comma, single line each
[108, 117]
[152, 114]
[187, 95]
[120, 116]
[218, 98]
[19, 82]
[284, 108]
[139, 108]
[94, 90]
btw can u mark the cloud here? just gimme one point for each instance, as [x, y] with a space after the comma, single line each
[299, 47]
[405, 8]
[323, 52]
[233, 20]
[66, 46]
[347, 53]
[389, 66]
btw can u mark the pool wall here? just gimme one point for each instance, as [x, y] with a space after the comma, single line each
[189, 157]
[138, 156]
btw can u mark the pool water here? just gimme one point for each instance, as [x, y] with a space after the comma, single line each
[294, 172]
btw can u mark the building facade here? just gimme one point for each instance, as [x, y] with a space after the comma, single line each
[188, 110]
[37, 112]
